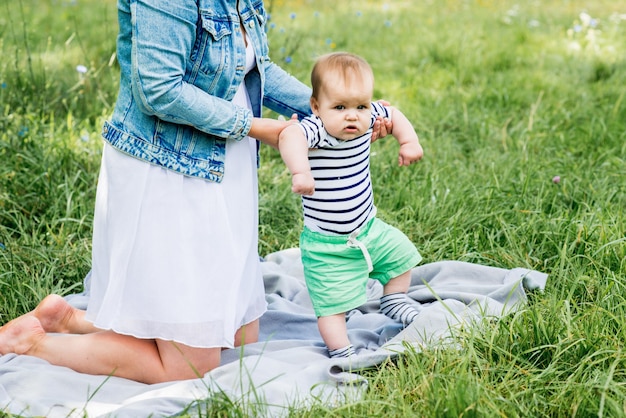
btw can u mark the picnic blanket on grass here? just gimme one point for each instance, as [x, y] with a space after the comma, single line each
[289, 366]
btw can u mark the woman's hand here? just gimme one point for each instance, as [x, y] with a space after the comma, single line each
[382, 126]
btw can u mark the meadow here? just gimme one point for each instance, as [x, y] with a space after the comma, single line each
[520, 107]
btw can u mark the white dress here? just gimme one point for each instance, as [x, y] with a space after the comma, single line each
[176, 257]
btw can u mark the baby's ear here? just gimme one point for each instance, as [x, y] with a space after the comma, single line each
[314, 106]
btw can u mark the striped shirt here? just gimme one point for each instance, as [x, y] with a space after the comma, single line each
[343, 200]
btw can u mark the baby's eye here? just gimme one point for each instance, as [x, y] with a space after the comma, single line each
[340, 107]
[362, 107]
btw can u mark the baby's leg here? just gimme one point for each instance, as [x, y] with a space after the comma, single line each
[394, 302]
[335, 335]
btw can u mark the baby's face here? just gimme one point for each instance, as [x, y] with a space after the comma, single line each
[344, 107]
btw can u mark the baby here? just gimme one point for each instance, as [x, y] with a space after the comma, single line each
[343, 244]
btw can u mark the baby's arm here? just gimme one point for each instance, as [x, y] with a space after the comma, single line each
[267, 130]
[294, 150]
[410, 149]
[288, 137]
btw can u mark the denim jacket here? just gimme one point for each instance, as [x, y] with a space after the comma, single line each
[181, 63]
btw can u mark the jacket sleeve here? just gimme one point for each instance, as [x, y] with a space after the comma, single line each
[285, 94]
[163, 35]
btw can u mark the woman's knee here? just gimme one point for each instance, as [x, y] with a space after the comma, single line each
[247, 334]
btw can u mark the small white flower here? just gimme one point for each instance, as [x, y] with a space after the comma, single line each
[585, 18]
[81, 69]
[513, 11]
[591, 36]
[574, 46]
[611, 50]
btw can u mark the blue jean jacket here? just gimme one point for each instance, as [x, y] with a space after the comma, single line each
[181, 63]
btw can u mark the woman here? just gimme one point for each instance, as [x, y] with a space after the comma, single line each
[176, 274]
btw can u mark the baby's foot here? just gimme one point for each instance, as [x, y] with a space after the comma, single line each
[343, 352]
[396, 306]
[21, 335]
[54, 314]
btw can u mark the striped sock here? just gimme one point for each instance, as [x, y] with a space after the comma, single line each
[346, 351]
[395, 306]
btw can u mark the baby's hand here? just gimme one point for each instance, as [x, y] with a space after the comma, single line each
[303, 183]
[410, 152]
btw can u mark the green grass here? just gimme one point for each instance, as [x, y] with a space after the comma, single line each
[504, 95]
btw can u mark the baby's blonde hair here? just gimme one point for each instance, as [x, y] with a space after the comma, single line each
[351, 67]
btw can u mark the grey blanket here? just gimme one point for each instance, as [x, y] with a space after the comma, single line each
[289, 366]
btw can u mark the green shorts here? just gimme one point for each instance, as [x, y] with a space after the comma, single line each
[336, 273]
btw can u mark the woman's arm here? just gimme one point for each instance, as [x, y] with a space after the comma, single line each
[285, 94]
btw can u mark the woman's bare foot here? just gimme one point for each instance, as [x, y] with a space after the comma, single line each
[21, 335]
[55, 314]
